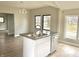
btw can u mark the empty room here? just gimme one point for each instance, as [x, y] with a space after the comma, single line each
[39, 28]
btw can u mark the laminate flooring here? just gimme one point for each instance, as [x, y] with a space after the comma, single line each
[12, 47]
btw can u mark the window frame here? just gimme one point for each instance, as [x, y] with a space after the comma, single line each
[35, 21]
[43, 22]
[3, 19]
[65, 27]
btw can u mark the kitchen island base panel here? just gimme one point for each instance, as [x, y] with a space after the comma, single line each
[36, 48]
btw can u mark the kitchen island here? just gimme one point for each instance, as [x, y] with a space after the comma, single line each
[36, 45]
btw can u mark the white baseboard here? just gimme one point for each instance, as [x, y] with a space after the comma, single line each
[10, 33]
[69, 43]
[16, 35]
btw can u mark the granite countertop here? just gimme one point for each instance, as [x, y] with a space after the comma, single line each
[35, 37]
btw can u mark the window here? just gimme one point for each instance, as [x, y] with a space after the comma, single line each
[1, 19]
[71, 27]
[46, 23]
[37, 21]
[42, 22]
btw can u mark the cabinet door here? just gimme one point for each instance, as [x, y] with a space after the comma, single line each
[43, 49]
[54, 42]
[28, 47]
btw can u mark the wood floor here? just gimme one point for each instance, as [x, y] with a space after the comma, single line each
[65, 50]
[12, 47]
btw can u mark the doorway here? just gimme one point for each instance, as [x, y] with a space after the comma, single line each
[7, 23]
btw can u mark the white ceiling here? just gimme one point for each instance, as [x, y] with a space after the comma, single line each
[67, 4]
[37, 4]
[26, 4]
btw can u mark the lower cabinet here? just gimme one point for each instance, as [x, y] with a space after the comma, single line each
[40, 47]
[36, 48]
[43, 49]
[54, 43]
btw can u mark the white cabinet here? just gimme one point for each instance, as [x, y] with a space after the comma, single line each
[54, 42]
[36, 48]
[44, 47]
[28, 47]
[39, 47]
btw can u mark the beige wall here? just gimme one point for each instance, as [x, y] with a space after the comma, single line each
[71, 12]
[54, 12]
[23, 19]
[21, 24]
[61, 24]
[20, 19]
